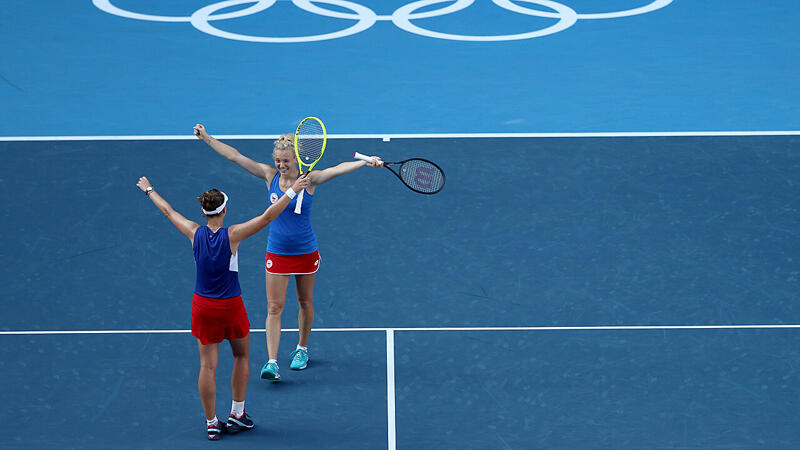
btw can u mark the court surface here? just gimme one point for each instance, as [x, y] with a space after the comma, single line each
[611, 264]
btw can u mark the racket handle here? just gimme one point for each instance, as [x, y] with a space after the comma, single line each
[363, 157]
[298, 207]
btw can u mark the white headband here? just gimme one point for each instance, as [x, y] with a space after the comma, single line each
[219, 209]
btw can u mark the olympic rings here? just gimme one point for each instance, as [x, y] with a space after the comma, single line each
[366, 17]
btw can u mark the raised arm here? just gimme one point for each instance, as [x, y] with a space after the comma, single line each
[184, 225]
[325, 175]
[242, 231]
[260, 170]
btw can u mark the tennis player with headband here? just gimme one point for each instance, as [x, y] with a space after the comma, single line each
[291, 246]
[217, 309]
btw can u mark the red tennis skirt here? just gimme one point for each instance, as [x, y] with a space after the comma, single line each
[292, 264]
[217, 319]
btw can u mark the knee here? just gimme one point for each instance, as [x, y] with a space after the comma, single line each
[275, 308]
[306, 302]
[208, 367]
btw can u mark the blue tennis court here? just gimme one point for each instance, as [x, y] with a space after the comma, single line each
[611, 264]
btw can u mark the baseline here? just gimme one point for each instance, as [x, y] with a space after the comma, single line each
[611, 134]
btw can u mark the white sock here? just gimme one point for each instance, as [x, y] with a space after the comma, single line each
[273, 361]
[213, 421]
[300, 347]
[237, 408]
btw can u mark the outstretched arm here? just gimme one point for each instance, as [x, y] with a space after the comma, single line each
[242, 231]
[263, 171]
[184, 225]
[325, 175]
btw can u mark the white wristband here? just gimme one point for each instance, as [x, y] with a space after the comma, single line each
[291, 193]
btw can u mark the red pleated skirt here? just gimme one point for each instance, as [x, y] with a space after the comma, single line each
[217, 319]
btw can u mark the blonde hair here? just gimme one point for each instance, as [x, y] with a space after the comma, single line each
[285, 142]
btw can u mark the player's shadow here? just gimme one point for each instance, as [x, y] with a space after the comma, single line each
[312, 364]
[291, 378]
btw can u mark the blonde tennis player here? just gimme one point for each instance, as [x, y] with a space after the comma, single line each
[292, 244]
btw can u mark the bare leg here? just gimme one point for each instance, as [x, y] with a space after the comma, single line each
[206, 382]
[276, 300]
[305, 297]
[241, 367]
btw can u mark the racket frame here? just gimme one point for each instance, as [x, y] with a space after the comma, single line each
[299, 204]
[400, 177]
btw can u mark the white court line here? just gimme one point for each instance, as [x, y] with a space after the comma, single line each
[409, 136]
[350, 330]
[390, 409]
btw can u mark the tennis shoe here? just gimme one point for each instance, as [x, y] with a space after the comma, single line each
[299, 359]
[237, 424]
[270, 372]
[215, 431]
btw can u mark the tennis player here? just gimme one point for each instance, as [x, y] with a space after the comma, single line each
[217, 309]
[291, 246]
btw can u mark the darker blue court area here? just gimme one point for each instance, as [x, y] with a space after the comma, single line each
[140, 391]
[527, 232]
[598, 389]
[611, 231]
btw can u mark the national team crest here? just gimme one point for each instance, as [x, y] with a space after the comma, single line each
[273, 197]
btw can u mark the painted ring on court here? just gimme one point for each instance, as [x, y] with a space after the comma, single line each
[105, 5]
[457, 6]
[566, 15]
[200, 20]
[653, 6]
[309, 6]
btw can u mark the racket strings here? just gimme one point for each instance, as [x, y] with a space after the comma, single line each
[422, 176]
[310, 141]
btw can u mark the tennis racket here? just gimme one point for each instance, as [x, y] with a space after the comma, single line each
[309, 145]
[419, 175]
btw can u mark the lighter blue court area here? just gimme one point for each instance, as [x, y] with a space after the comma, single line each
[612, 263]
[125, 67]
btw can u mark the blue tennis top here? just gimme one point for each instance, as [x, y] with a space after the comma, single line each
[217, 267]
[290, 233]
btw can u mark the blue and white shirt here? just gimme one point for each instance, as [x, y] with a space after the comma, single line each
[290, 233]
[217, 266]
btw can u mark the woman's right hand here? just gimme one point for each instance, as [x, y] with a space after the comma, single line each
[375, 162]
[200, 132]
[143, 184]
[300, 184]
